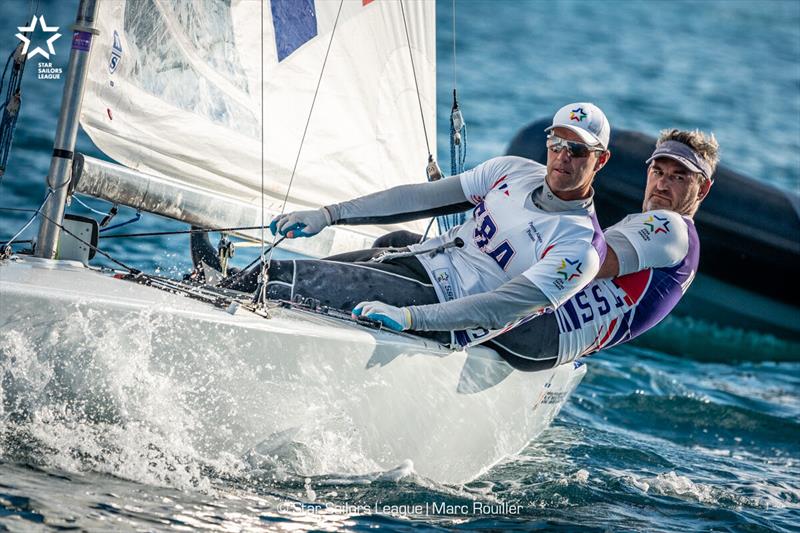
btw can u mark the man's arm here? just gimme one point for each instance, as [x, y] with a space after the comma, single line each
[567, 268]
[621, 256]
[411, 202]
[653, 239]
[398, 204]
[514, 299]
[403, 203]
[610, 267]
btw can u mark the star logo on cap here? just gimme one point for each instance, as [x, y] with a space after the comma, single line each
[657, 224]
[27, 42]
[577, 114]
[570, 269]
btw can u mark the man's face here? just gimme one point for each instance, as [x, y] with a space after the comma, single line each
[672, 186]
[571, 177]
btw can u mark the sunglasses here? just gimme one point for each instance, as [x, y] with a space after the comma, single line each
[574, 149]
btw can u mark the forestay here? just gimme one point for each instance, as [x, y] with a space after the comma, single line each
[176, 88]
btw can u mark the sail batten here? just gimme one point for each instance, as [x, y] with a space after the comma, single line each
[175, 89]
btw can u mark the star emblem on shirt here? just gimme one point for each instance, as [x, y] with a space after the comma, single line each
[570, 269]
[27, 41]
[657, 224]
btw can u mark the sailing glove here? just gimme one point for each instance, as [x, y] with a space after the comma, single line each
[395, 318]
[301, 223]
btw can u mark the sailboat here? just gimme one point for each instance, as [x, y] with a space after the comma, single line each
[222, 115]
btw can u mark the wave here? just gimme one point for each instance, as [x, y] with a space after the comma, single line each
[694, 420]
[705, 341]
[109, 398]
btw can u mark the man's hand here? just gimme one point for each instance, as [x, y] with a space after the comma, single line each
[395, 318]
[300, 223]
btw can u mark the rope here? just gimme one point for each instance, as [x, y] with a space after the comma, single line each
[20, 241]
[181, 232]
[109, 215]
[7, 246]
[458, 156]
[265, 265]
[90, 208]
[132, 270]
[13, 100]
[17, 210]
[136, 218]
[416, 83]
[11, 104]
[458, 141]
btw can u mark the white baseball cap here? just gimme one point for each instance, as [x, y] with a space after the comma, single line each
[585, 119]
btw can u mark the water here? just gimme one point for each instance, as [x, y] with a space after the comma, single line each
[649, 442]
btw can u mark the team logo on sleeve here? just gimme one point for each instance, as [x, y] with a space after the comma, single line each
[568, 270]
[657, 224]
[654, 224]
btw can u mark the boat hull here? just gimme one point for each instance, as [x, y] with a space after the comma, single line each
[340, 397]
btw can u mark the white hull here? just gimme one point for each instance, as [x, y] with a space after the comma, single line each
[254, 384]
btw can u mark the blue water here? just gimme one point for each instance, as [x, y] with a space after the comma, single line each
[649, 442]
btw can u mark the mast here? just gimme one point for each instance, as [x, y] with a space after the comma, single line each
[59, 175]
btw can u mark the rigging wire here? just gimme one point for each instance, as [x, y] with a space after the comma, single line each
[455, 80]
[265, 265]
[433, 171]
[181, 232]
[416, 83]
[17, 209]
[135, 218]
[132, 270]
[87, 206]
[109, 215]
[263, 272]
[7, 244]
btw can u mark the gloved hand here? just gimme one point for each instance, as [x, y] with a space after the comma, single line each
[395, 318]
[300, 223]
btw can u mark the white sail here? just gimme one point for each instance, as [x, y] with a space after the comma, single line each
[176, 88]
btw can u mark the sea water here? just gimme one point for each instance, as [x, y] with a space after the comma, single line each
[649, 442]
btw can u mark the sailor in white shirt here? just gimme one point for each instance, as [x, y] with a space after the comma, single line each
[651, 261]
[532, 242]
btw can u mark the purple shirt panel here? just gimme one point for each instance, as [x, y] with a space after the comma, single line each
[599, 239]
[665, 288]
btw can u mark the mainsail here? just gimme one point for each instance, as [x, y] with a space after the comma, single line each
[218, 95]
